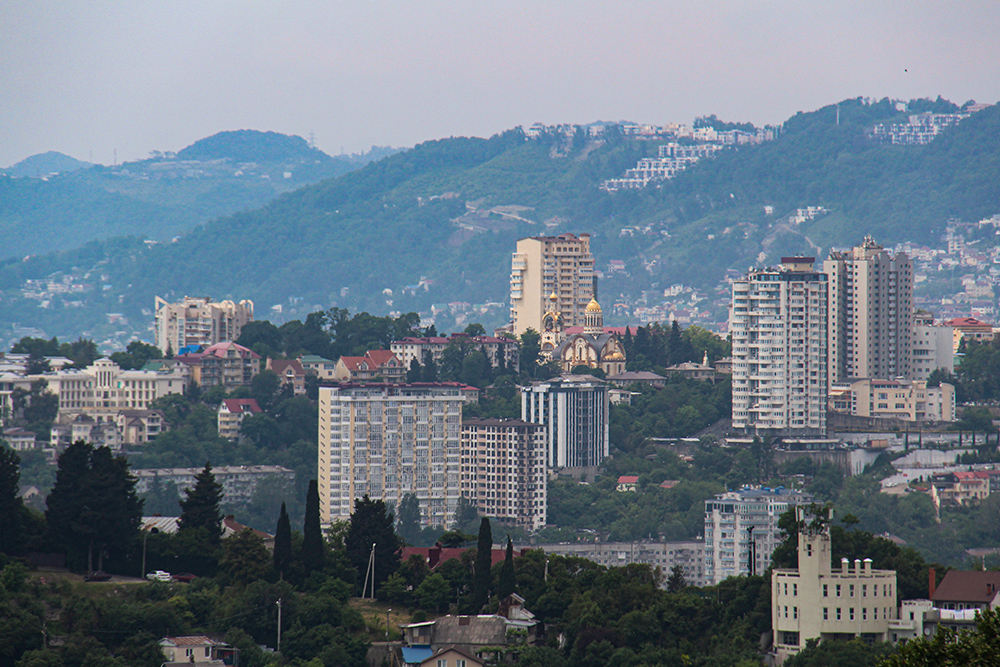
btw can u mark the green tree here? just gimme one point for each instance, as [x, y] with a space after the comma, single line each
[675, 582]
[506, 584]
[434, 593]
[136, 355]
[484, 562]
[313, 555]
[530, 349]
[200, 507]
[282, 543]
[244, 557]
[465, 514]
[371, 524]
[408, 519]
[10, 503]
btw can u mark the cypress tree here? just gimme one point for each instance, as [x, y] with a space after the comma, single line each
[200, 508]
[282, 543]
[484, 561]
[506, 585]
[312, 536]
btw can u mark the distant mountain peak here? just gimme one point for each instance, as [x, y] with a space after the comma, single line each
[252, 146]
[46, 164]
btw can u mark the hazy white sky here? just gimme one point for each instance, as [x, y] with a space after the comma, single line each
[86, 78]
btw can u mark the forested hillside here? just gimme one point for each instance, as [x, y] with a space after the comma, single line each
[436, 224]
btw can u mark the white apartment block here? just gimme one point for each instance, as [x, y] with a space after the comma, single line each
[778, 324]
[932, 347]
[688, 554]
[503, 470]
[415, 348]
[871, 313]
[238, 482]
[546, 265]
[742, 527]
[574, 411]
[198, 321]
[908, 400]
[816, 601]
[388, 440]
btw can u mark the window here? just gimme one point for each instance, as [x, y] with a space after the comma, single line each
[852, 613]
[864, 613]
[795, 590]
[852, 590]
[825, 590]
[442, 663]
[838, 613]
[795, 612]
[838, 590]
[460, 663]
[826, 613]
[864, 590]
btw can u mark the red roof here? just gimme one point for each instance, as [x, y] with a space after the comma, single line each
[198, 640]
[435, 556]
[242, 405]
[966, 322]
[381, 357]
[628, 479]
[220, 350]
[281, 366]
[967, 586]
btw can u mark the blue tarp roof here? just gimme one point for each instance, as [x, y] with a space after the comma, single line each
[414, 655]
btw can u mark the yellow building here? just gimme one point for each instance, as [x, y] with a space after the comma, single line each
[545, 265]
[909, 400]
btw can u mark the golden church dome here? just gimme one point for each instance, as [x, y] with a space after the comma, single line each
[593, 306]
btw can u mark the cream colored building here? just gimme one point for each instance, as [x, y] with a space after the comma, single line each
[503, 470]
[871, 313]
[909, 400]
[388, 440]
[816, 601]
[932, 347]
[544, 265]
[199, 321]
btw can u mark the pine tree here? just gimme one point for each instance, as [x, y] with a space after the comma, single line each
[200, 508]
[409, 519]
[675, 582]
[484, 561]
[312, 535]
[10, 503]
[370, 524]
[282, 543]
[506, 584]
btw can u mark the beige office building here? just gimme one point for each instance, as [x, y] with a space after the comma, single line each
[199, 321]
[932, 347]
[815, 601]
[546, 265]
[871, 313]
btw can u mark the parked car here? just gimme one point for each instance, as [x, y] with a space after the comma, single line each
[159, 575]
[185, 577]
[98, 576]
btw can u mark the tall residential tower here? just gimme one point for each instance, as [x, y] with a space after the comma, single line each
[871, 313]
[778, 324]
[546, 265]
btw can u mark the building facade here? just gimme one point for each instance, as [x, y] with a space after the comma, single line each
[238, 482]
[198, 321]
[496, 349]
[545, 265]
[778, 323]
[226, 364]
[503, 470]
[741, 527]
[688, 554]
[574, 411]
[593, 347]
[909, 400]
[932, 347]
[231, 413]
[375, 366]
[389, 440]
[816, 601]
[871, 313]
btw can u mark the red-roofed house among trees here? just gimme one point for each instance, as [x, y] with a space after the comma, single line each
[225, 364]
[231, 414]
[290, 372]
[376, 365]
[969, 328]
[628, 483]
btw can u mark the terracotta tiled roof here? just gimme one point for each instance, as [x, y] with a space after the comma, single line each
[967, 586]
[198, 640]
[220, 350]
[242, 405]
[628, 479]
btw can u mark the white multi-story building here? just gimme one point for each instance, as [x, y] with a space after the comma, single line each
[778, 323]
[908, 400]
[503, 470]
[412, 349]
[741, 527]
[199, 321]
[688, 554]
[547, 265]
[238, 482]
[932, 347]
[574, 411]
[871, 313]
[815, 601]
[389, 440]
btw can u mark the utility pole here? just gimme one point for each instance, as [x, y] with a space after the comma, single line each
[370, 573]
[278, 649]
[145, 534]
[387, 612]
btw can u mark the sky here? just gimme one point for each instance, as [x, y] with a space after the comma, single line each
[115, 79]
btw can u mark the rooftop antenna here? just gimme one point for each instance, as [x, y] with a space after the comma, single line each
[312, 139]
[838, 113]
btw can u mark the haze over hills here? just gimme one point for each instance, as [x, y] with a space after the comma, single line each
[436, 224]
[51, 202]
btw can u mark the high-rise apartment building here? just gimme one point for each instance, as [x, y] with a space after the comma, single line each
[778, 324]
[741, 527]
[547, 265]
[503, 470]
[871, 313]
[388, 440]
[199, 321]
[574, 411]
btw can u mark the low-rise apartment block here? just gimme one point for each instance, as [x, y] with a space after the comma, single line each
[688, 554]
[496, 349]
[374, 366]
[238, 482]
[226, 364]
[907, 400]
[232, 412]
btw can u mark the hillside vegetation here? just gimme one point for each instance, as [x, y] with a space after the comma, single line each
[450, 211]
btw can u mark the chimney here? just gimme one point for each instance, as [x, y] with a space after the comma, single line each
[845, 565]
[931, 582]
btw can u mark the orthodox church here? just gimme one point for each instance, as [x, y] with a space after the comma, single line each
[593, 347]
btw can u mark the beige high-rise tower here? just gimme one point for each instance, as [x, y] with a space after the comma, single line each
[871, 313]
[546, 265]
